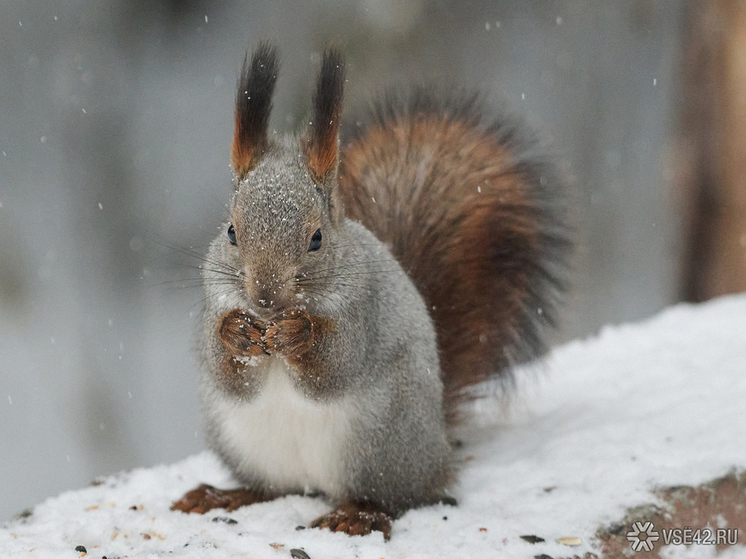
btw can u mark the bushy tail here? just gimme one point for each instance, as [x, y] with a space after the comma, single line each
[475, 218]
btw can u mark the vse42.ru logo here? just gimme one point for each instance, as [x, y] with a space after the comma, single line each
[643, 536]
[705, 536]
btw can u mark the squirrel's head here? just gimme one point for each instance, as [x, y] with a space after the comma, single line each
[286, 213]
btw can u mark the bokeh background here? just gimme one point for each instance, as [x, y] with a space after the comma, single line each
[115, 128]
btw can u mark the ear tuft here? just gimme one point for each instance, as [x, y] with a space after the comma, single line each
[253, 106]
[322, 141]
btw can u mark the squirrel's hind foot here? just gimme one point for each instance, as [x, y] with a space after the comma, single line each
[206, 497]
[355, 520]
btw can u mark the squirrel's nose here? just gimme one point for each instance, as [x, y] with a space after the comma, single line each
[264, 299]
[268, 298]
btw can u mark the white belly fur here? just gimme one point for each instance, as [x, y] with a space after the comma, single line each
[291, 441]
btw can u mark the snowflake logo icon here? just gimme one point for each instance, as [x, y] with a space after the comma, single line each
[643, 536]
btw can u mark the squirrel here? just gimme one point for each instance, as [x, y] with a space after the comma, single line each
[361, 287]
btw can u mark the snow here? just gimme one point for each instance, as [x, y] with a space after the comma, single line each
[602, 423]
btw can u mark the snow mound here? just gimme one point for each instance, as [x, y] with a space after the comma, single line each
[606, 421]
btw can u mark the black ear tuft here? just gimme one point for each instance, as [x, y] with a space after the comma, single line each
[327, 109]
[253, 106]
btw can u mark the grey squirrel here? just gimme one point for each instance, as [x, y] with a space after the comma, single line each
[358, 291]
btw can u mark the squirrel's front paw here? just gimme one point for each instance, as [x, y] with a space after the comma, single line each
[290, 333]
[241, 334]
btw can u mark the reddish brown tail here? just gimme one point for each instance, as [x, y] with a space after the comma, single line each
[474, 217]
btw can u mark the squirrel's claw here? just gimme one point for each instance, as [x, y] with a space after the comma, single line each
[206, 497]
[355, 520]
[242, 335]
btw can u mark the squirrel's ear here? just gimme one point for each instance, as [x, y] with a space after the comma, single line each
[253, 106]
[322, 141]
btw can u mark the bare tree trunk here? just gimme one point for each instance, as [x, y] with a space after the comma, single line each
[715, 149]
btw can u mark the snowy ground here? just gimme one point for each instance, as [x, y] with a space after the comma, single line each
[607, 420]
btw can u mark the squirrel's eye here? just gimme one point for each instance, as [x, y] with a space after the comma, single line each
[231, 234]
[315, 241]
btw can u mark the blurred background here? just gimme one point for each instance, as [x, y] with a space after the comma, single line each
[115, 129]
